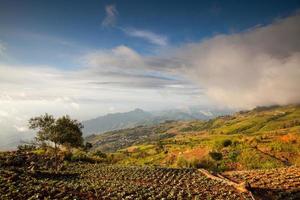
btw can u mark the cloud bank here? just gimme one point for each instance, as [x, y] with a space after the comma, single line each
[260, 66]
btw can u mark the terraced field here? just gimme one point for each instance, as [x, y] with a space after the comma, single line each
[96, 181]
[281, 183]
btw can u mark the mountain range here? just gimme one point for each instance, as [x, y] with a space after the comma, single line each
[138, 117]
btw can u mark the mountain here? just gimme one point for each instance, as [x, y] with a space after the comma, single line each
[265, 137]
[115, 121]
[138, 117]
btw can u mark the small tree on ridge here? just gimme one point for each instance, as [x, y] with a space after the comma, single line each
[61, 131]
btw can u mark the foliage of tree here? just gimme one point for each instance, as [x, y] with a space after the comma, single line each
[61, 131]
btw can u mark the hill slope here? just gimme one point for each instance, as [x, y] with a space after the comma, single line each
[265, 137]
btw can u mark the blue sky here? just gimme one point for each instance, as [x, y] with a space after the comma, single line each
[66, 29]
[89, 58]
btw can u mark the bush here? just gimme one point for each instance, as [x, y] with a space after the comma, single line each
[81, 156]
[100, 154]
[226, 142]
[216, 155]
[219, 144]
[88, 146]
[232, 155]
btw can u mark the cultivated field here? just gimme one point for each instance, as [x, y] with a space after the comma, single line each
[97, 181]
[281, 183]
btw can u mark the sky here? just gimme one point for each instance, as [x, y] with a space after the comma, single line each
[89, 58]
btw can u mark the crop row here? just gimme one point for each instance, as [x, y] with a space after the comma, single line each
[95, 181]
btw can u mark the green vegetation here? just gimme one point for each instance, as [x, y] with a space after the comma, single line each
[265, 137]
[61, 131]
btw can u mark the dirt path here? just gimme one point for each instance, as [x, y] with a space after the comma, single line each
[241, 187]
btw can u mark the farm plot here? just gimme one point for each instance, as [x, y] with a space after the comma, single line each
[280, 183]
[95, 181]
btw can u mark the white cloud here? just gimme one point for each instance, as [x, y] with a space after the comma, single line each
[110, 20]
[148, 36]
[260, 66]
[117, 58]
[111, 16]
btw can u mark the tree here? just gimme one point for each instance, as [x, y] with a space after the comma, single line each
[61, 131]
[45, 125]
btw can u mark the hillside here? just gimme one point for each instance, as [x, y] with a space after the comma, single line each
[116, 140]
[264, 137]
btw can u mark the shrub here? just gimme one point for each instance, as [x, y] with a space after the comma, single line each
[81, 156]
[226, 142]
[100, 154]
[232, 155]
[88, 146]
[216, 155]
